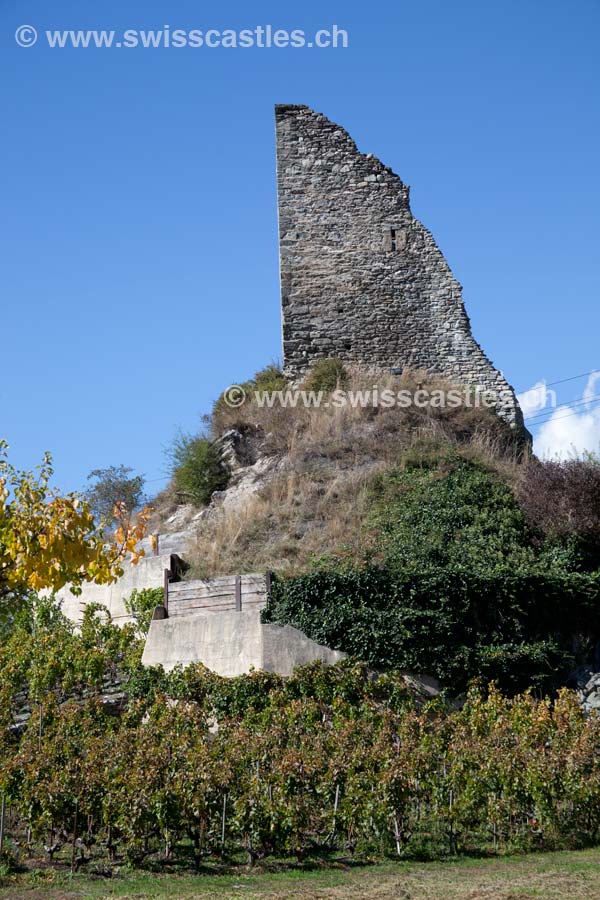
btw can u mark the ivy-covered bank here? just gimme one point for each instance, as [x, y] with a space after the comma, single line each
[519, 630]
[457, 581]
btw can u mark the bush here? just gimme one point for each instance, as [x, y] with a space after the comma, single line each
[562, 501]
[197, 469]
[268, 380]
[326, 375]
[444, 510]
[453, 625]
[141, 605]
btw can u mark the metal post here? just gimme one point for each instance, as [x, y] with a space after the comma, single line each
[238, 593]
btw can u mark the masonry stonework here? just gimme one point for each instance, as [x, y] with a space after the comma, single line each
[361, 278]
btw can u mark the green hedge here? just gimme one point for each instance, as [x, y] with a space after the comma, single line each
[455, 625]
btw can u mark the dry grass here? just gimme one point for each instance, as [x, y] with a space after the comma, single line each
[328, 426]
[296, 519]
[316, 501]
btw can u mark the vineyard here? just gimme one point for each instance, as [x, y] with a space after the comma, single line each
[328, 762]
[105, 763]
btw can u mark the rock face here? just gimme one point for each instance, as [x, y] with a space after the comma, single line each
[586, 683]
[361, 278]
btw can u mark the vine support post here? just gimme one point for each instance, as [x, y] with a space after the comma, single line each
[223, 822]
[335, 809]
[397, 835]
[74, 848]
[2, 815]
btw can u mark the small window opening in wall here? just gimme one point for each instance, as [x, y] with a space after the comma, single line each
[393, 242]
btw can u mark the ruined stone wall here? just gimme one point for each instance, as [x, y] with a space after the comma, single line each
[361, 278]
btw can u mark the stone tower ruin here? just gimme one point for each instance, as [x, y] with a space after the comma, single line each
[361, 278]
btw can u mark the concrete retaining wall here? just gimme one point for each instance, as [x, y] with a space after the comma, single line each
[231, 643]
[148, 573]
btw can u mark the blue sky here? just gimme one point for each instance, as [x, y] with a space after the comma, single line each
[138, 272]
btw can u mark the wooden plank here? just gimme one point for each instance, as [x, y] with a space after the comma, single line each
[208, 611]
[189, 608]
[166, 577]
[222, 604]
[194, 592]
[184, 595]
[238, 593]
[202, 610]
[209, 604]
[216, 598]
[202, 588]
[199, 604]
[202, 601]
[211, 583]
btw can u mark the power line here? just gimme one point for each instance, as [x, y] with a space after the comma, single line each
[553, 417]
[573, 412]
[564, 380]
[574, 378]
[578, 402]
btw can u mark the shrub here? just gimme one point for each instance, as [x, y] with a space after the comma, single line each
[141, 605]
[562, 501]
[267, 380]
[197, 469]
[453, 625]
[447, 510]
[271, 378]
[326, 375]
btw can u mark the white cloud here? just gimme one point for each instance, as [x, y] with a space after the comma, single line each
[535, 399]
[571, 431]
[590, 389]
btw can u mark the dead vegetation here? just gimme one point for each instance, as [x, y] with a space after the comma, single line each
[315, 500]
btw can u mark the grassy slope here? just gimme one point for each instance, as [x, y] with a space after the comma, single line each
[317, 501]
[550, 876]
